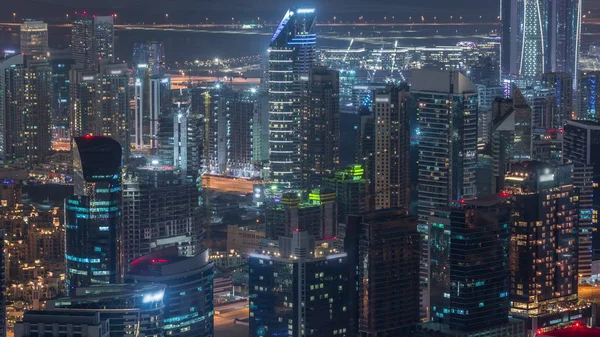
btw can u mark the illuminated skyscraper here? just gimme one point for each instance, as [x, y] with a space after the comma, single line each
[544, 244]
[100, 103]
[34, 38]
[392, 148]
[92, 40]
[589, 97]
[25, 103]
[93, 213]
[447, 107]
[540, 36]
[291, 56]
[148, 107]
[152, 54]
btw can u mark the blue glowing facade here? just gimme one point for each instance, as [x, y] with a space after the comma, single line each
[291, 56]
[93, 213]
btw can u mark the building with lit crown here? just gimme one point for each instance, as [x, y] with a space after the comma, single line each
[34, 38]
[291, 56]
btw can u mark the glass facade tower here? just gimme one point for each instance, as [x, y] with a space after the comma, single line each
[93, 213]
[291, 56]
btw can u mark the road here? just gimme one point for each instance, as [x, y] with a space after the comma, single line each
[589, 293]
[228, 185]
[224, 326]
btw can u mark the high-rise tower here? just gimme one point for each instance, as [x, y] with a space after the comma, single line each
[93, 213]
[540, 36]
[291, 56]
[447, 107]
[92, 40]
[34, 38]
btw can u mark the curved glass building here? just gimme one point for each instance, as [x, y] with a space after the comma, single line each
[93, 214]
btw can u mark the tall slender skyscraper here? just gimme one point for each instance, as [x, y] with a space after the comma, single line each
[34, 38]
[291, 56]
[447, 107]
[320, 128]
[540, 36]
[392, 148]
[152, 54]
[93, 213]
[92, 40]
[25, 105]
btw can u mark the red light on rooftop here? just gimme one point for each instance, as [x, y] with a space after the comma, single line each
[297, 229]
[84, 12]
[577, 324]
[504, 194]
[462, 201]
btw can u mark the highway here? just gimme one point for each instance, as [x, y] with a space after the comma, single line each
[228, 185]
[224, 326]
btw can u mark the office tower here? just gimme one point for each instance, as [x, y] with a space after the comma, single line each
[589, 97]
[365, 149]
[291, 56]
[298, 287]
[392, 142]
[317, 216]
[487, 96]
[160, 209]
[11, 192]
[34, 38]
[151, 54]
[539, 37]
[447, 107]
[383, 265]
[44, 323]
[351, 191]
[581, 139]
[100, 103]
[469, 268]
[260, 126]
[26, 86]
[188, 297]
[93, 213]
[544, 243]
[320, 129]
[61, 62]
[562, 104]
[131, 309]
[228, 125]
[92, 40]
[511, 136]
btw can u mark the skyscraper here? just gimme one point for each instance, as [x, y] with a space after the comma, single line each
[61, 61]
[34, 38]
[291, 56]
[511, 134]
[581, 138]
[563, 108]
[351, 191]
[469, 268]
[392, 148]
[2, 287]
[150, 53]
[383, 265]
[544, 242]
[320, 129]
[100, 102]
[589, 97]
[93, 213]
[447, 107]
[298, 287]
[148, 94]
[26, 86]
[540, 36]
[160, 209]
[92, 40]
